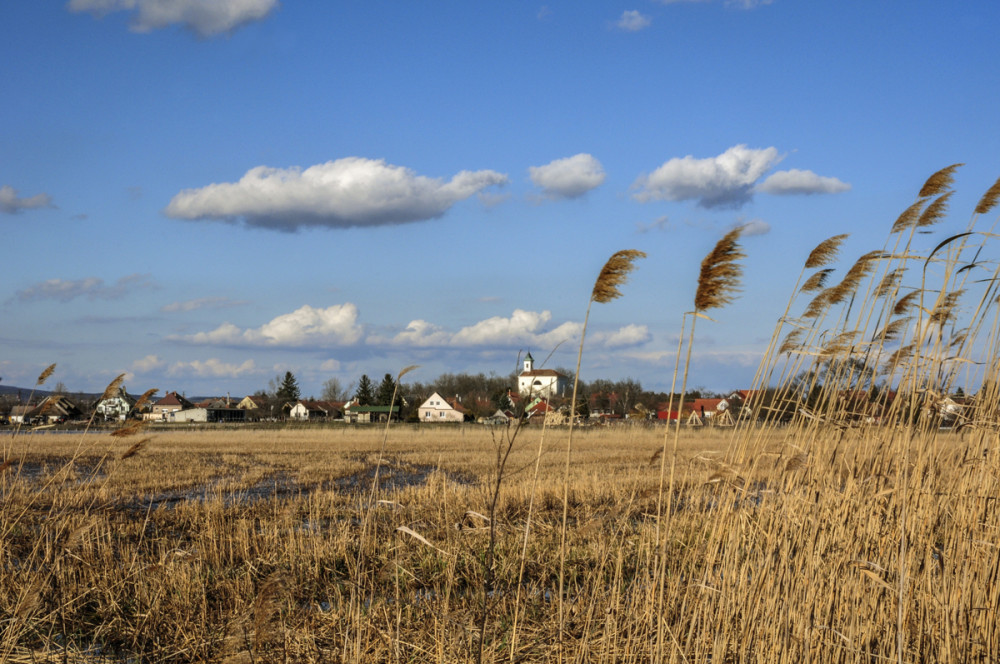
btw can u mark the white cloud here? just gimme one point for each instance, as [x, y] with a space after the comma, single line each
[211, 368]
[629, 335]
[571, 177]
[205, 17]
[794, 181]
[330, 365]
[147, 364]
[93, 288]
[723, 181]
[201, 303]
[11, 203]
[755, 227]
[633, 21]
[306, 326]
[352, 191]
[522, 328]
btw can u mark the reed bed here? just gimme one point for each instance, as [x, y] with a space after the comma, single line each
[850, 514]
[791, 556]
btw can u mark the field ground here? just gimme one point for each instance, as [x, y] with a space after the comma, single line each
[254, 546]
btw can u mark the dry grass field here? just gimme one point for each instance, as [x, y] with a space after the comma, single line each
[269, 546]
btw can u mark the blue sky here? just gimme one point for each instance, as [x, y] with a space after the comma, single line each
[204, 194]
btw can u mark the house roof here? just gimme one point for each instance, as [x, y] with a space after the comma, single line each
[173, 399]
[541, 372]
[710, 405]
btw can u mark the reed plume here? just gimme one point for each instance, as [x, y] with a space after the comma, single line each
[614, 274]
[989, 199]
[935, 211]
[939, 182]
[44, 376]
[825, 252]
[721, 271]
[134, 449]
[904, 303]
[817, 281]
[791, 342]
[112, 388]
[144, 399]
[908, 218]
[818, 304]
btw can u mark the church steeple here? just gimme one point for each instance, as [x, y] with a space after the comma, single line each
[529, 362]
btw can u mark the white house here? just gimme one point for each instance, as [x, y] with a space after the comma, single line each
[541, 382]
[115, 407]
[438, 409]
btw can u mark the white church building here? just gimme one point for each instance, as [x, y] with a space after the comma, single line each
[542, 382]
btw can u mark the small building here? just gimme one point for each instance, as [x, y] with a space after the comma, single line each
[52, 409]
[541, 382]
[170, 403]
[116, 407]
[439, 409]
[367, 414]
[315, 410]
[193, 415]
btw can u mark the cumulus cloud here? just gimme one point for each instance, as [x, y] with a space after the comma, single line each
[794, 181]
[201, 303]
[92, 288]
[632, 20]
[204, 17]
[307, 326]
[723, 181]
[11, 203]
[352, 191]
[147, 364]
[571, 177]
[629, 335]
[212, 368]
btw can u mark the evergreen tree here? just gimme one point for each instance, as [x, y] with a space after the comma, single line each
[366, 391]
[385, 391]
[288, 391]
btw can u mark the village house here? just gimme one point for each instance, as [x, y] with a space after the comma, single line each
[170, 403]
[52, 409]
[315, 410]
[116, 407]
[356, 414]
[439, 409]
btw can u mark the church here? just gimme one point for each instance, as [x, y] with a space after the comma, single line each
[542, 382]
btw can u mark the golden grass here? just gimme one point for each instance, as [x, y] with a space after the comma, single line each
[788, 555]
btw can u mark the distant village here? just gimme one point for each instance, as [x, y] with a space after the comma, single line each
[534, 395]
